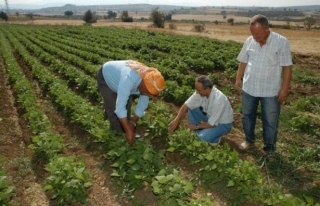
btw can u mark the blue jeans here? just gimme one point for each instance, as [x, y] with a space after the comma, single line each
[211, 135]
[270, 111]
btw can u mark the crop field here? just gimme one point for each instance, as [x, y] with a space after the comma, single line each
[56, 147]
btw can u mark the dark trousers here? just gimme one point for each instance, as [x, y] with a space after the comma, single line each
[110, 98]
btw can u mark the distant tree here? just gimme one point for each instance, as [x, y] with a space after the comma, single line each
[157, 18]
[309, 22]
[231, 21]
[199, 27]
[288, 23]
[125, 17]
[30, 16]
[88, 17]
[4, 16]
[111, 14]
[17, 14]
[216, 22]
[168, 17]
[68, 13]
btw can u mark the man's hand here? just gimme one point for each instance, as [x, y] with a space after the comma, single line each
[173, 125]
[130, 136]
[192, 127]
[282, 95]
[129, 129]
[238, 85]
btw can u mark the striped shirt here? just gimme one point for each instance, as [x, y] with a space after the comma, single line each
[262, 75]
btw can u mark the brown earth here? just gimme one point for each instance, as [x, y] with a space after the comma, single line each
[15, 136]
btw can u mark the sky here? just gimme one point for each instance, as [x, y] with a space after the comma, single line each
[276, 3]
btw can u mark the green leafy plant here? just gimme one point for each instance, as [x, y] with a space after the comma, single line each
[302, 123]
[6, 190]
[157, 127]
[47, 145]
[172, 187]
[68, 180]
[308, 104]
[203, 201]
[136, 164]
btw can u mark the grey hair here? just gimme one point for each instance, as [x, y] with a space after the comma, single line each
[260, 19]
[205, 81]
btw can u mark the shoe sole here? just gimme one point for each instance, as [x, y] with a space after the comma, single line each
[242, 148]
[215, 144]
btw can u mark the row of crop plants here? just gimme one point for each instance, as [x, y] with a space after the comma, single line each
[134, 170]
[71, 56]
[305, 122]
[232, 181]
[170, 94]
[183, 75]
[68, 177]
[6, 188]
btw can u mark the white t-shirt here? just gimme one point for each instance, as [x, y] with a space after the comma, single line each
[217, 106]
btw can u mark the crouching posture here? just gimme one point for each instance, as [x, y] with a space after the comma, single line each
[210, 114]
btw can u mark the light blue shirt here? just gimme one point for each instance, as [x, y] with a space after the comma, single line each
[125, 82]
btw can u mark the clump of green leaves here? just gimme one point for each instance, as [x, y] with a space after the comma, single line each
[302, 123]
[203, 201]
[135, 164]
[68, 180]
[308, 104]
[6, 190]
[46, 145]
[158, 127]
[172, 188]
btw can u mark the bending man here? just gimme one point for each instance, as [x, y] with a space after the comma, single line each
[118, 81]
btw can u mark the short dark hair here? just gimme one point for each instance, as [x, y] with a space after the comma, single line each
[260, 19]
[205, 81]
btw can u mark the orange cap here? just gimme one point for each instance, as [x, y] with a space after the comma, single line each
[153, 80]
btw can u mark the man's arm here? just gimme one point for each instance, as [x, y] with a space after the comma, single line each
[128, 129]
[284, 91]
[174, 124]
[202, 125]
[238, 85]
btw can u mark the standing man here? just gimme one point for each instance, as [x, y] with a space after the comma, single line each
[210, 114]
[117, 82]
[264, 58]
